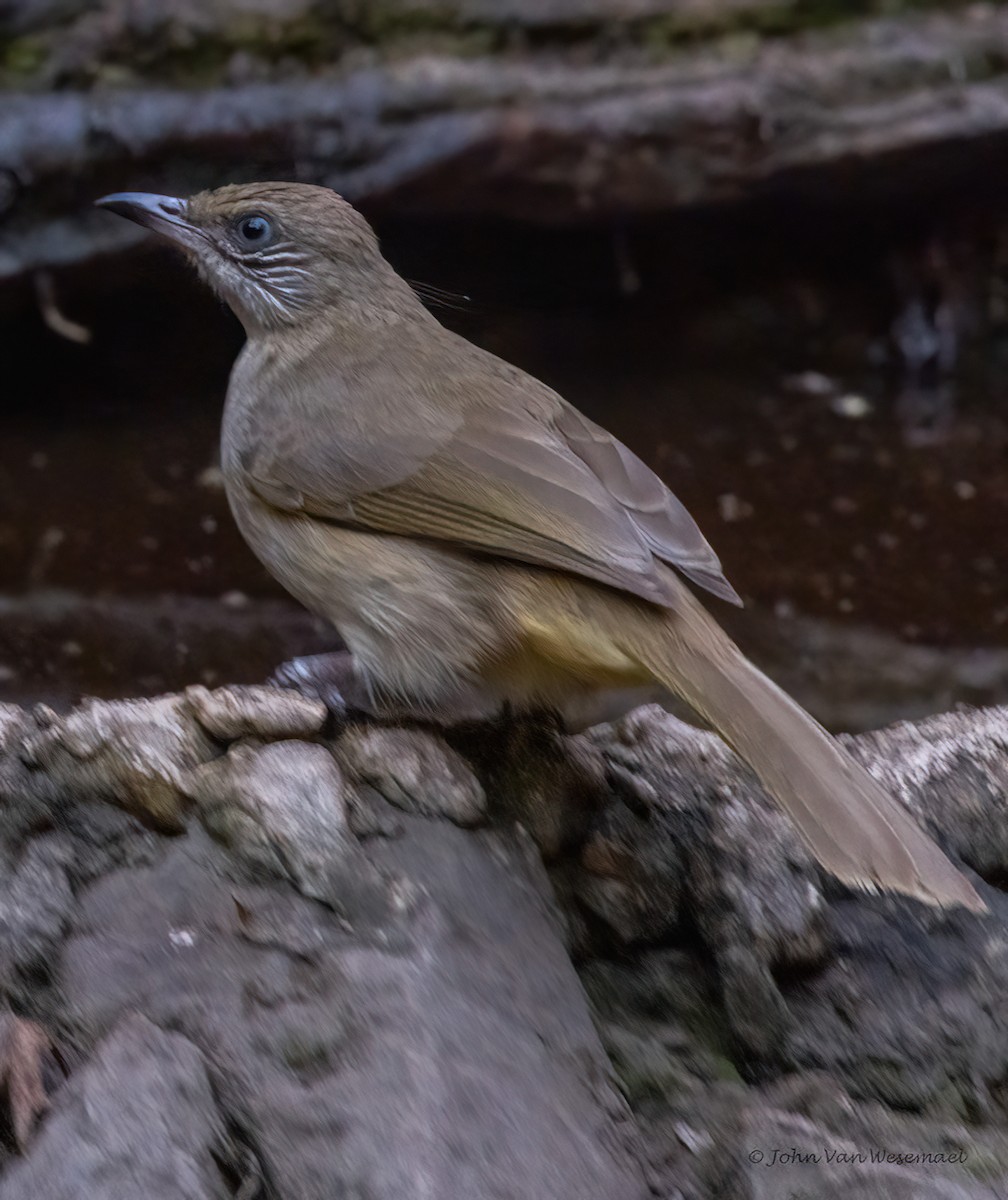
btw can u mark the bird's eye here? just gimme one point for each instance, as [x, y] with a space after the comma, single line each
[253, 231]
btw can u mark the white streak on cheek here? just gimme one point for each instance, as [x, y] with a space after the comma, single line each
[266, 298]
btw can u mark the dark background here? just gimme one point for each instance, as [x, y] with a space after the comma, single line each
[785, 289]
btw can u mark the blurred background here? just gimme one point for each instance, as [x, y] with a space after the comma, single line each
[764, 241]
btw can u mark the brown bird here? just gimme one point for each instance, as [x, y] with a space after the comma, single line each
[475, 540]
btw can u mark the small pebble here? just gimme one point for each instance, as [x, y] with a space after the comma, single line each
[851, 406]
[811, 383]
[211, 478]
[732, 508]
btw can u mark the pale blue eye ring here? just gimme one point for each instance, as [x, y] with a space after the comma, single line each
[253, 231]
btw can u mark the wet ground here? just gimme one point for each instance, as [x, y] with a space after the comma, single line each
[835, 484]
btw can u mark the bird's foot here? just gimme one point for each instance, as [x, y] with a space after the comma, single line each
[335, 680]
[331, 678]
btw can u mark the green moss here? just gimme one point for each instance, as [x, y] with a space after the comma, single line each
[647, 1069]
[323, 35]
[311, 42]
[377, 23]
[724, 1069]
[673, 29]
[306, 1054]
[814, 14]
[985, 1164]
[786, 18]
[891, 1082]
[21, 57]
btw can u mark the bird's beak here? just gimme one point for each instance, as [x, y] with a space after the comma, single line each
[165, 215]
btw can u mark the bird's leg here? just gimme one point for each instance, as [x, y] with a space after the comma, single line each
[335, 679]
[332, 678]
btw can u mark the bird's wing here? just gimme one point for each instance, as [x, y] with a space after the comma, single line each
[515, 473]
[659, 517]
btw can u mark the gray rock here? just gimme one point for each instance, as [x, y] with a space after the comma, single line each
[138, 1120]
[907, 1009]
[270, 713]
[26, 796]
[35, 904]
[133, 753]
[549, 784]
[739, 1146]
[662, 1025]
[709, 1135]
[282, 809]
[448, 1054]
[711, 848]
[439, 1041]
[631, 876]
[11, 718]
[951, 771]
[415, 771]
[581, 133]
[892, 1001]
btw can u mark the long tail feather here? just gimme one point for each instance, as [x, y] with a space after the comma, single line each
[850, 823]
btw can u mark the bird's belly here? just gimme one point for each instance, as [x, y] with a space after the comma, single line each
[417, 619]
[438, 627]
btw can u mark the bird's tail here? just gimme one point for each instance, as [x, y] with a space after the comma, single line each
[851, 825]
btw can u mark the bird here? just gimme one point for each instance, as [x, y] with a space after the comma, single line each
[477, 542]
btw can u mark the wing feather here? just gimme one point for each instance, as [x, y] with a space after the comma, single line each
[501, 466]
[659, 516]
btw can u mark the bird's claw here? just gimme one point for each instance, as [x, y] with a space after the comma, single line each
[313, 677]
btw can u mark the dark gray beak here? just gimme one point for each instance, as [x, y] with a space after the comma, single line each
[165, 215]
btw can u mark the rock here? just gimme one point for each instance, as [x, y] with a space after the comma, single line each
[25, 1048]
[11, 718]
[138, 1120]
[133, 753]
[734, 1144]
[631, 876]
[104, 839]
[448, 1053]
[894, 1001]
[422, 1030]
[229, 713]
[951, 771]
[549, 784]
[26, 796]
[661, 1024]
[282, 809]
[802, 1135]
[709, 848]
[35, 905]
[602, 116]
[415, 771]
[906, 1010]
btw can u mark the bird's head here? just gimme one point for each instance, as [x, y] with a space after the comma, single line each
[276, 252]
